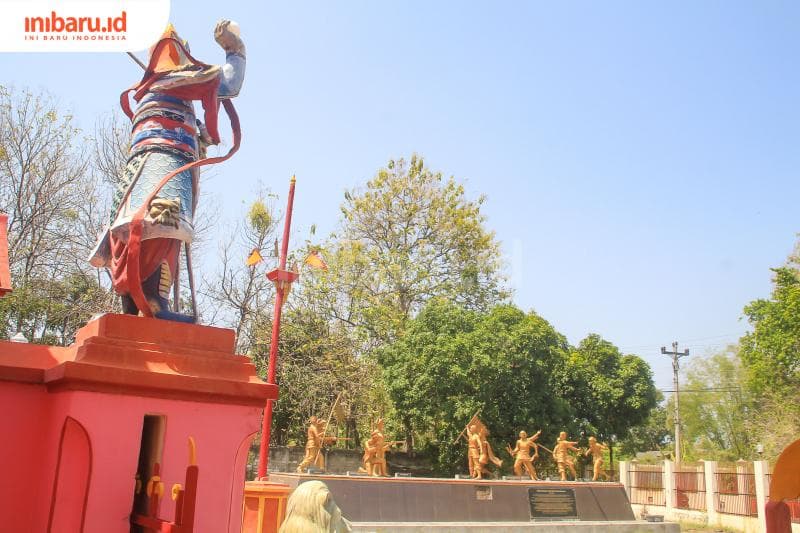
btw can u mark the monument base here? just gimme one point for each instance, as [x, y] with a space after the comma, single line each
[409, 502]
[87, 424]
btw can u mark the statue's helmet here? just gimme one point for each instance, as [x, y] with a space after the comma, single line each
[522, 434]
[562, 435]
[170, 55]
[592, 439]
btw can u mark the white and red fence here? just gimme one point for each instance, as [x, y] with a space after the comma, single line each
[707, 492]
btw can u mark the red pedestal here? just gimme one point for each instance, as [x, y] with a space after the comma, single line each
[73, 421]
[264, 506]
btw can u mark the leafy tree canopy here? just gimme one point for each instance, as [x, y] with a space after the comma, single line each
[610, 392]
[55, 208]
[715, 408]
[651, 435]
[317, 362]
[772, 350]
[510, 365]
[408, 236]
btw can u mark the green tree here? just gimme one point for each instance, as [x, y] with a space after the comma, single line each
[317, 355]
[715, 407]
[316, 363]
[610, 392]
[651, 435]
[55, 207]
[452, 362]
[410, 235]
[775, 423]
[772, 350]
[771, 356]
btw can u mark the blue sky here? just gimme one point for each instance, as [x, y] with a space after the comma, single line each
[640, 159]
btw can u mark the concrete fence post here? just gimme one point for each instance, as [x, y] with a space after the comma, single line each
[761, 471]
[669, 485]
[624, 476]
[710, 470]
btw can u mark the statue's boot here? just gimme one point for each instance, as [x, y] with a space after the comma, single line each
[156, 288]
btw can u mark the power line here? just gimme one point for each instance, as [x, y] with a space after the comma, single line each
[686, 341]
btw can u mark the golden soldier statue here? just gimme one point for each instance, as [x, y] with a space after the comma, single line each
[474, 451]
[522, 455]
[479, 450]
[315, 440]
[596, 451]
[562, 456]
[487, 454]
[370, 451]
[375, 448]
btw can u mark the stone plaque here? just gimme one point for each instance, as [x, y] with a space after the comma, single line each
[483, 493]
[552, 504]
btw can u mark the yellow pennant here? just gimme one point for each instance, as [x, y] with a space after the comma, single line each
[315, 261]
[254, 258]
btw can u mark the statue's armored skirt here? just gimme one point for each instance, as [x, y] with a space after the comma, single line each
[164, 138]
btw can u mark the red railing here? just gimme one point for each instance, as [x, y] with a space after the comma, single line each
[736, 493]
[647, 485]
[690, 488]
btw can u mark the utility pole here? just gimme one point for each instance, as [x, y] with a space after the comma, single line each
[676, 355]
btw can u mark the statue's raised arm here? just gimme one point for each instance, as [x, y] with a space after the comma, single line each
[228, 37]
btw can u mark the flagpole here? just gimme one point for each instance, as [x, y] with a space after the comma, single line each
[282, 279]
